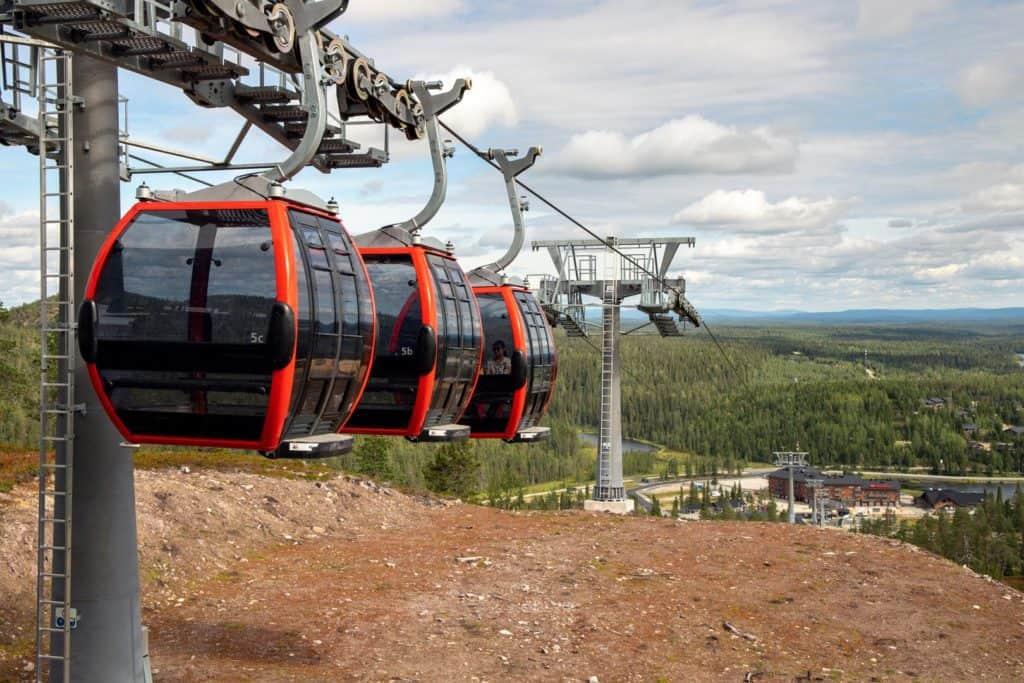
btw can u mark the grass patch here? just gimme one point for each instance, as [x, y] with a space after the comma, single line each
[17, 467]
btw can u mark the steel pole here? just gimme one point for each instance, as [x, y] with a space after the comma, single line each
[107, 645]
[792, 499]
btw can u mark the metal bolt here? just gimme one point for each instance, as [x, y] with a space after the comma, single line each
[143, 193]
[332, 206]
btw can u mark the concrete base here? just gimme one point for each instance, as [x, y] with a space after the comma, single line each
[617, 507]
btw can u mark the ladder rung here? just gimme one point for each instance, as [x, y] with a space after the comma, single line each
[53, 547]
[52, 575]
[53, 465]
[53, 658]
[54, 520]
[52, 602]
[54, 493]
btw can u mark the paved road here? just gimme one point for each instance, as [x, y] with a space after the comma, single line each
[644, 502]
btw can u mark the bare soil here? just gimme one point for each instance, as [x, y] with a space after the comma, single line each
[249, 578]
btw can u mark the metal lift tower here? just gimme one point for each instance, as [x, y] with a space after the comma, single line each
[790, 460]
[611, 271]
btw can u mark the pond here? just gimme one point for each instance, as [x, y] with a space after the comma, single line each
[628, 445]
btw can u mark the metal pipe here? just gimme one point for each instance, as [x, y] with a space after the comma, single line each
[163, 169]
[167, 150]
[200, 169]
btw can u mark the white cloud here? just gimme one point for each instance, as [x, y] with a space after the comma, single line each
[367, 11]
[750, 211]
[692, 144]
[890, 18]
[1001, 266]
[986, 83]
[489, 102]
[938, 273]
[1002, 197]
[586, 65]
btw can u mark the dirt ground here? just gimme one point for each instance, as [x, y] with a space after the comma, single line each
[247, 578]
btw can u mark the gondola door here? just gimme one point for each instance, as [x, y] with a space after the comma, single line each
[335, 326]
[541, 361]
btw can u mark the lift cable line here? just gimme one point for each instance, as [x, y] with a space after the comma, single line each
[687, 308]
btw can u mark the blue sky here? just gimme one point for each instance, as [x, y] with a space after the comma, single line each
[826, 155]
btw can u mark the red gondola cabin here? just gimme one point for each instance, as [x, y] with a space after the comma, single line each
[518, 374]
[236, 324]
[428, 343]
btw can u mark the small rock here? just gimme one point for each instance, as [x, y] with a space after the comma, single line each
[975, 606]
[504, 632]
[593, 679]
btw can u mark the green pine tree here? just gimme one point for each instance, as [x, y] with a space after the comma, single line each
[373, 457]
[455, 470]
[655, 507]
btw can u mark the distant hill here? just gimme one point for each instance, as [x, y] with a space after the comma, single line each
[878, 316]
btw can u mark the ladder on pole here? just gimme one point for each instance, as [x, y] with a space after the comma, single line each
[606, 490]
[55, 618]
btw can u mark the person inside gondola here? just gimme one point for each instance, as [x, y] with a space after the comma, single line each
[499, 363]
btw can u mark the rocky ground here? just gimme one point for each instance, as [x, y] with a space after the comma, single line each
[250, 578]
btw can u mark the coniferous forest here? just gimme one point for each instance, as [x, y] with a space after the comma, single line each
[854, 397]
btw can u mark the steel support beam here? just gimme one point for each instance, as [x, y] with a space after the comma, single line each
[108, 643]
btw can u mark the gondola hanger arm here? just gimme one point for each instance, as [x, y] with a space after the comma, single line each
[511, 168]
[434, 104]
